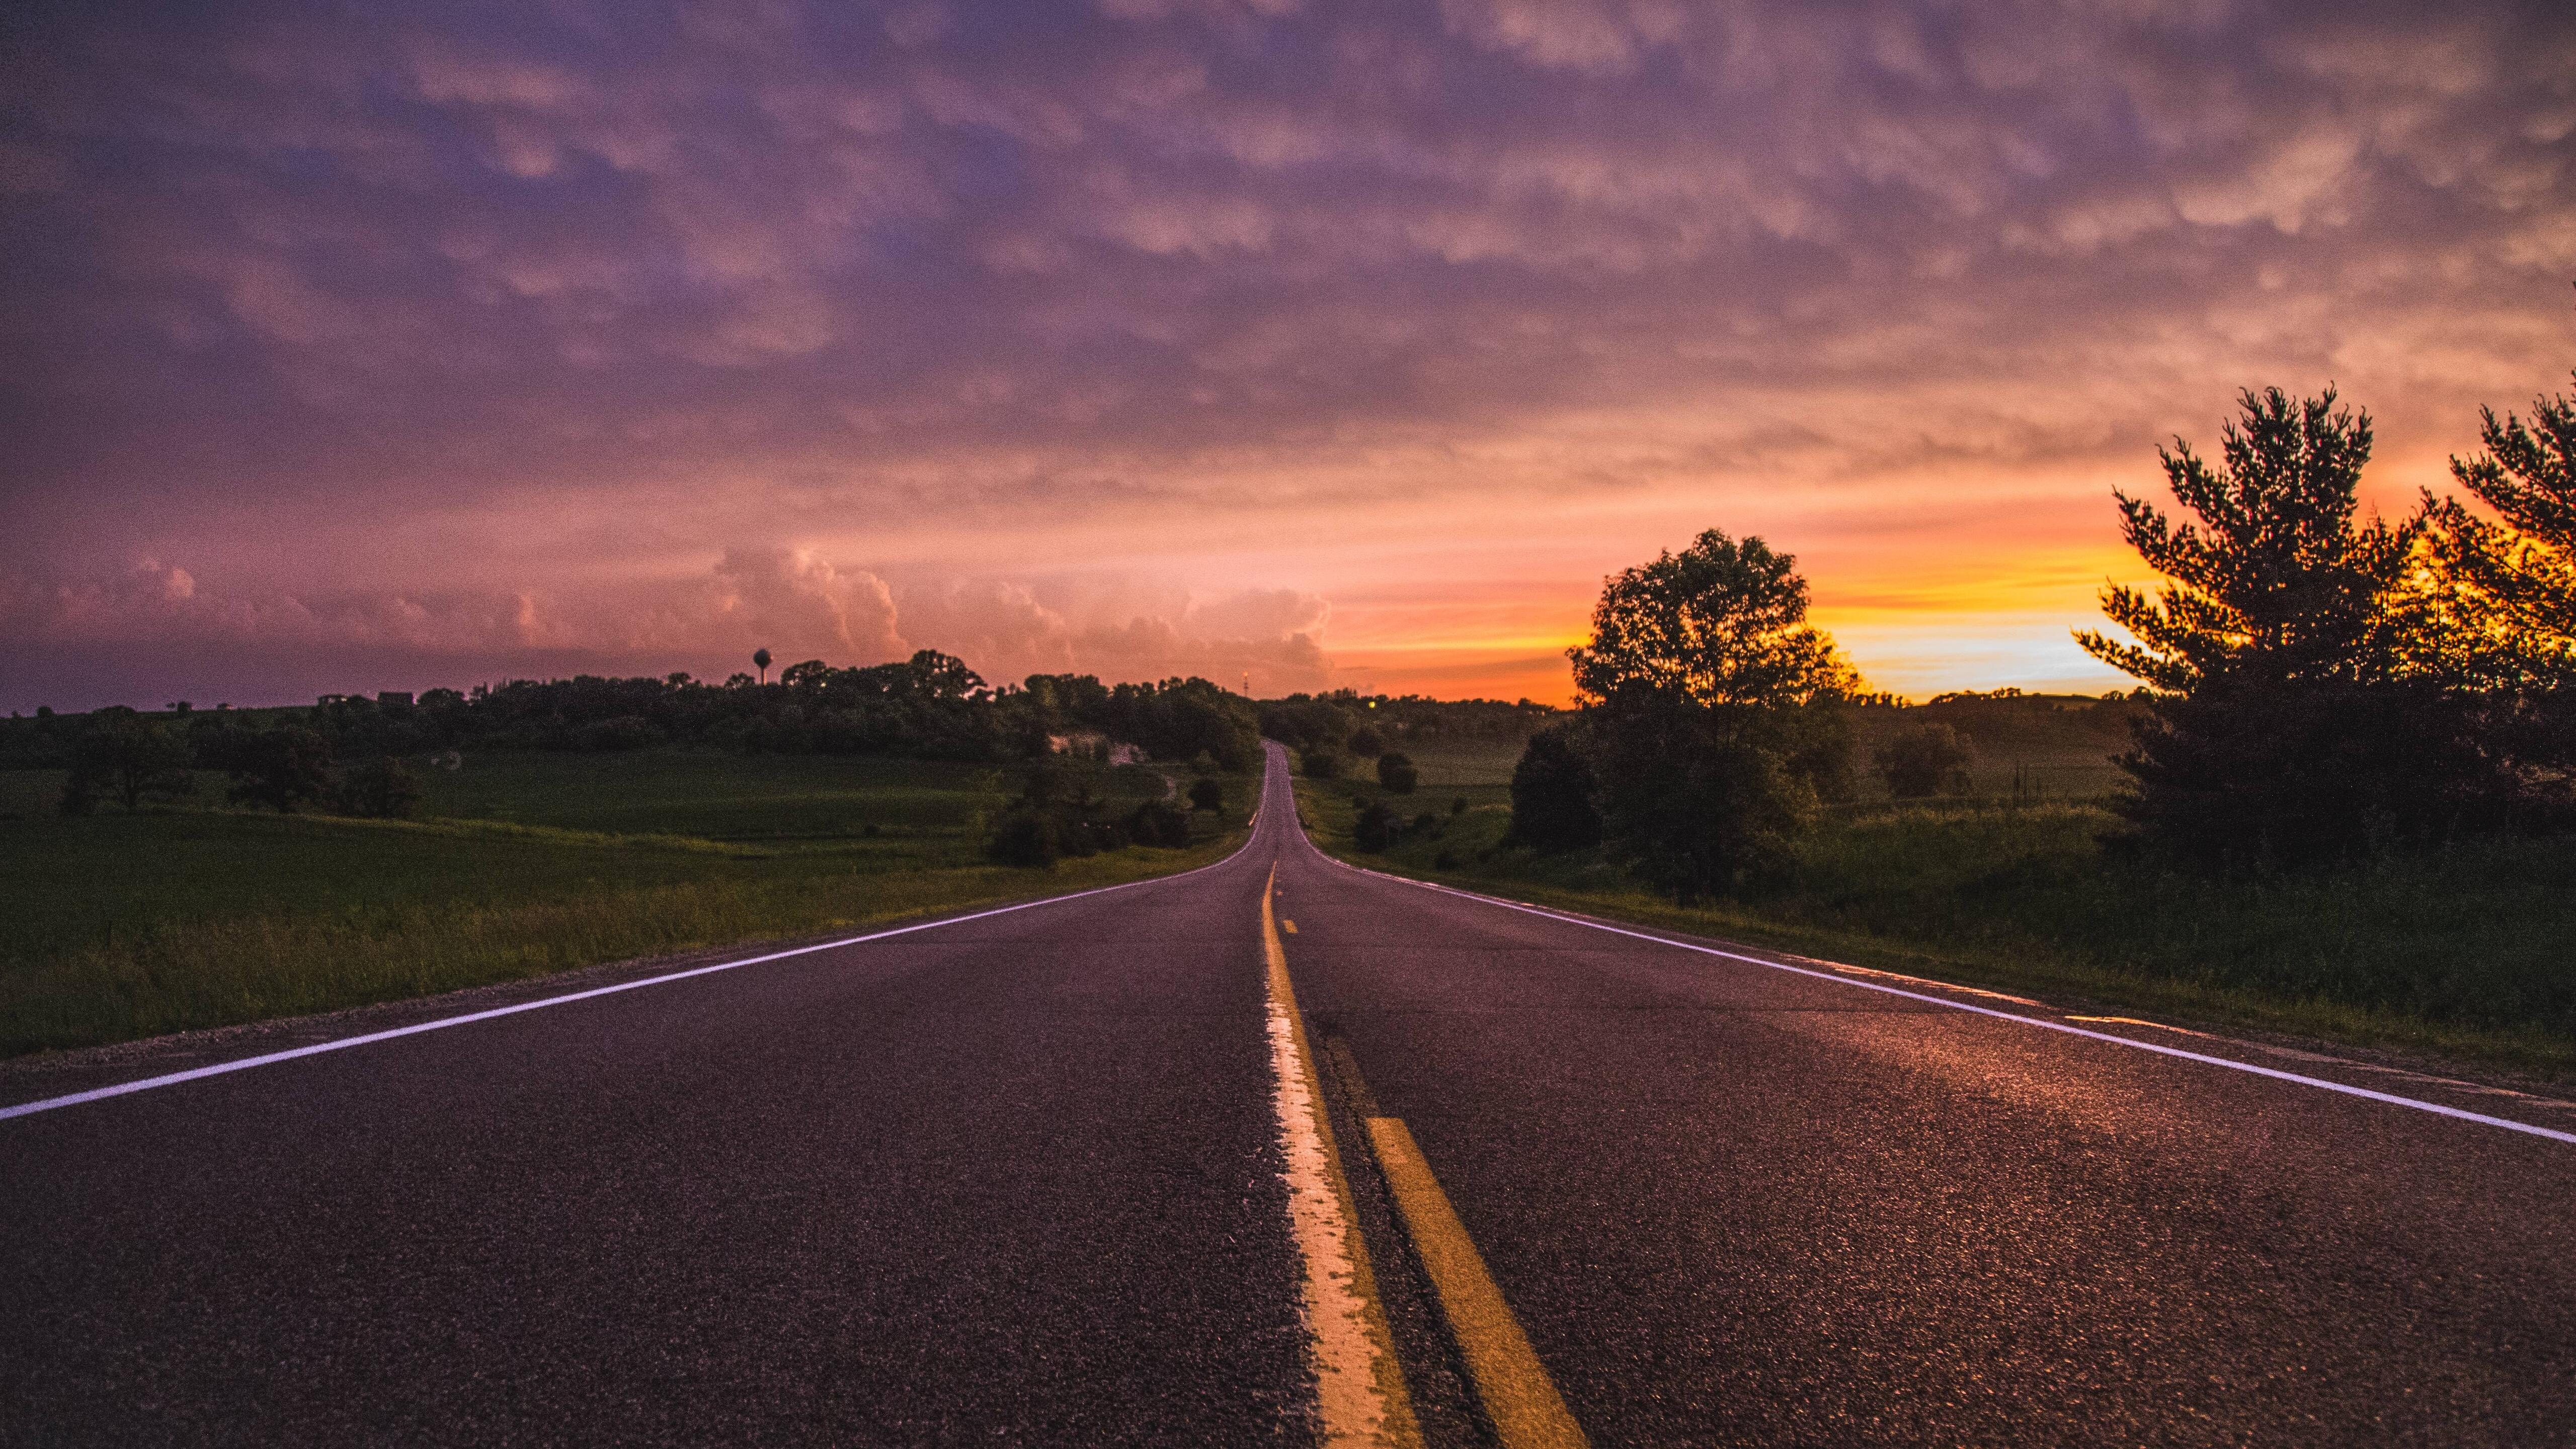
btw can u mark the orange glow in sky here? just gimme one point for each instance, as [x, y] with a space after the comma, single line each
[1329, 345]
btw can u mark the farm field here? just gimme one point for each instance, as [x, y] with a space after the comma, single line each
[2458, 954]
[520, 863]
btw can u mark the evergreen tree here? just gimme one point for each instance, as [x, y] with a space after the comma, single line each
[2507, 588]
[2291, 721]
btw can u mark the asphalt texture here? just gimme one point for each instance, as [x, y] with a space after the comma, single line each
[1015, 1180]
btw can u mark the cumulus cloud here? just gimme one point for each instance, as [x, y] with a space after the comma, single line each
[76, 640]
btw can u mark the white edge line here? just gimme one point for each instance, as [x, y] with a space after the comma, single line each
[217, 1069]
[2058, 1026]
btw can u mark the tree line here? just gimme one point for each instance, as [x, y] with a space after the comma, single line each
[2315, 686]
[356, 755]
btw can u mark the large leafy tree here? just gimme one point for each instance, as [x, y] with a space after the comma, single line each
[1721, 624]
[1713, 720]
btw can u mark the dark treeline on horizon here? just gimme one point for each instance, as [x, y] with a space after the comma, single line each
[931, 707]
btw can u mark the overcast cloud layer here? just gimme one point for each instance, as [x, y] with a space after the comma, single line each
[1326, 343]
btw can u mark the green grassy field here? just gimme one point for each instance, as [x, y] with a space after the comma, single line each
[121, 926]
[2466, 954]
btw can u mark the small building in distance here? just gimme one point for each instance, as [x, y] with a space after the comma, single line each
[394, 698]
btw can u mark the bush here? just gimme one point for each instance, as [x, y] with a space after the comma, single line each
[1365, 742]
[1321, 763]
[1159, 824]
[1926, 760]
[1552, 794]
[1397, 774]
[1207, 794]
[283, 769]
[1025, 836]
[1375, 829]
[384, 788]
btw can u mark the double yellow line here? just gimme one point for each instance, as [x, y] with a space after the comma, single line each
[1344, 1314]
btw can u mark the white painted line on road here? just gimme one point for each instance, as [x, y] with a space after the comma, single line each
[2275, 1073]
[1359, 1387]
[217, 1069]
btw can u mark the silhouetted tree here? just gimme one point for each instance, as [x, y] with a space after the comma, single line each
[2275, 578]
[284, 769]
[1714, 714]
[1552, 794]
[2291, 721]
[1722, 625]
[126, 756]
[1396, 772]
[1929, 759]
[2510, 597]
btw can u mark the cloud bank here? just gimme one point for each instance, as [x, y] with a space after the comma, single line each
[590, 331]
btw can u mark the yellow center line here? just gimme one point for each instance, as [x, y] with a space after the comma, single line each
[2141, 1021]
[1288, 925]
[1519, 1397]
[1360, 1397]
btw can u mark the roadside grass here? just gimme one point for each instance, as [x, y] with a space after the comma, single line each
[122, 926]
[2465, 955]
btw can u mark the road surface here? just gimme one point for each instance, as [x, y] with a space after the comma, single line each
[1280, 1150]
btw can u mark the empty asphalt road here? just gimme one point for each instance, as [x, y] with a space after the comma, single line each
[1276, 1150]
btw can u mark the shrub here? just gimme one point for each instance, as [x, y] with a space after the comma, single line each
[1375, 829]
[1365, 742]
[1396, 773]
[283, 769]
[1552, 794]
[1321, 763]
[1159, 824]
[384, 788]
[1926, 760]
[1025, 836]
[1207, 794]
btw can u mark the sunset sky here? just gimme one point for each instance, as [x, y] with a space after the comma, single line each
[1339, 344]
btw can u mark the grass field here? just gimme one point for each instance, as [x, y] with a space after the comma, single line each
[121, 926]
[2467, 954]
